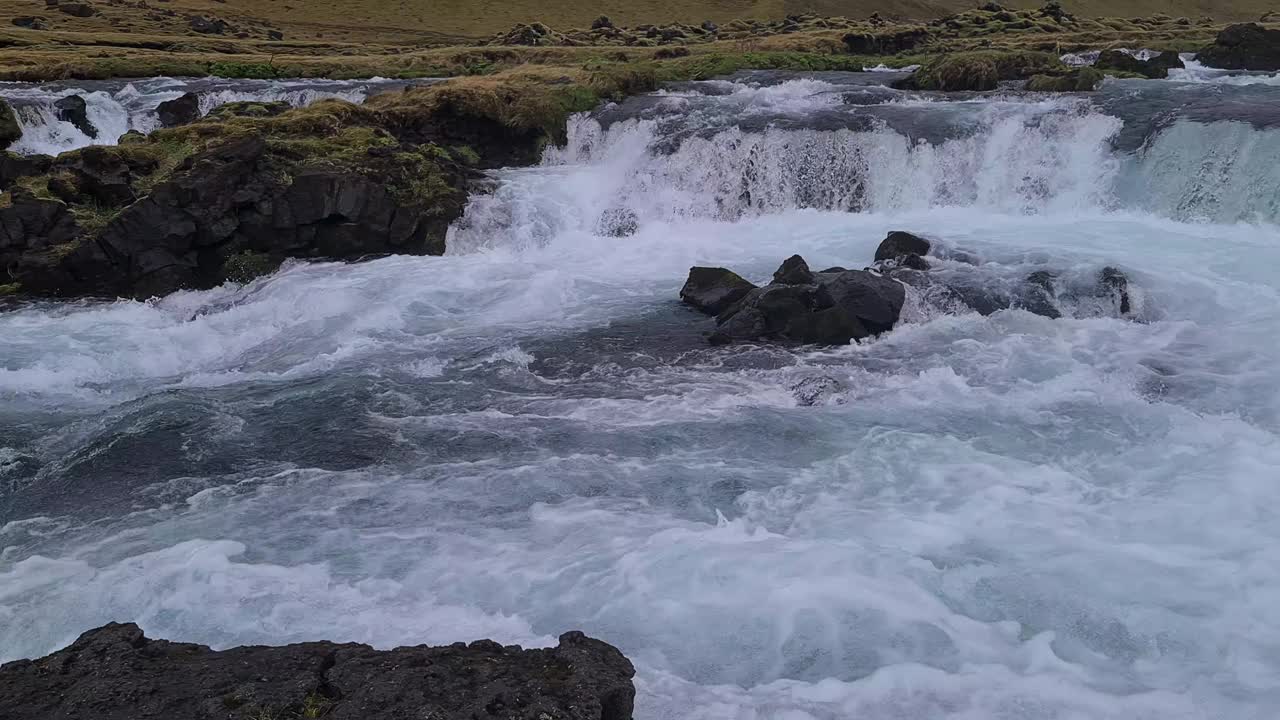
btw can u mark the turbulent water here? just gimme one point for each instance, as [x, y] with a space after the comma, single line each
[114, 107]
[970, 517]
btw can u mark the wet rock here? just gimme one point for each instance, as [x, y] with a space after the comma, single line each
[794, 271]
[179, 111]
[714, 290]
[77, 9]
[830, 309]
[117, 673]
[815, 390]
[73, 109]
[899, 245]
[1247, 46]
[10, 130]
[1113, 285]
[1083, 80]
[617, 222]
[1039, 294]
[1155, 68]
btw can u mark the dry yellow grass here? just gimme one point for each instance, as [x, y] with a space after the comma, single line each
[443, 22]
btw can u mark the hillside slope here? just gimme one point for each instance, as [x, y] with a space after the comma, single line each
[460, 21]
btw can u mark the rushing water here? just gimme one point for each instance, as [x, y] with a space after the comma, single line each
[114, 107]
[970, 517]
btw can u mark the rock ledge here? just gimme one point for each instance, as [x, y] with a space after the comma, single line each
[116, 673]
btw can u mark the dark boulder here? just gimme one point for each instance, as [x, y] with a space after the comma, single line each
[117, 673]
[793, 271]
[709, 27]
[900, 245]
[831, 309]
[77, 9]
[275, 35]
[179, 111]
[714, 290]
[1248, 46]
[874, 300]
[73, 109]
[1156, 68]
[601, 23]
[29, 21]
[10, 130]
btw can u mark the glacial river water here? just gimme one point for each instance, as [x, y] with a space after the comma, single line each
[1001, 517]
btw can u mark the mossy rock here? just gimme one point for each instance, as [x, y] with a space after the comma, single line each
[249, 109]
[10, 130]
[1083, 80]
[983, 70]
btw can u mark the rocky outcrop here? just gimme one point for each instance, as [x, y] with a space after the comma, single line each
[10, 130]
[73, 109]
[981, 70]
[223, 202]
[179, 111]
[1157, 68]
[800, 306]
[836, 306]
[117, 673]
[1244, 47]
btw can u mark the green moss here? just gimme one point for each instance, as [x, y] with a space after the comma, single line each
[251, 71]
[92, 217]
[465, 155]
[10, 289]
[245, 267]
[983, 69]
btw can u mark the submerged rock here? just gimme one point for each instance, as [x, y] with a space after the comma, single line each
[116, 673]
[179, 111]
[714, 290]
[1247, 46]
[73, 109]
[1156, 68]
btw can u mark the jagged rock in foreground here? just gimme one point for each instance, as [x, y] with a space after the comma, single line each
[117, 673]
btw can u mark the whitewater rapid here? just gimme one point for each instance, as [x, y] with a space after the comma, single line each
[115, 107]
[971, 517]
